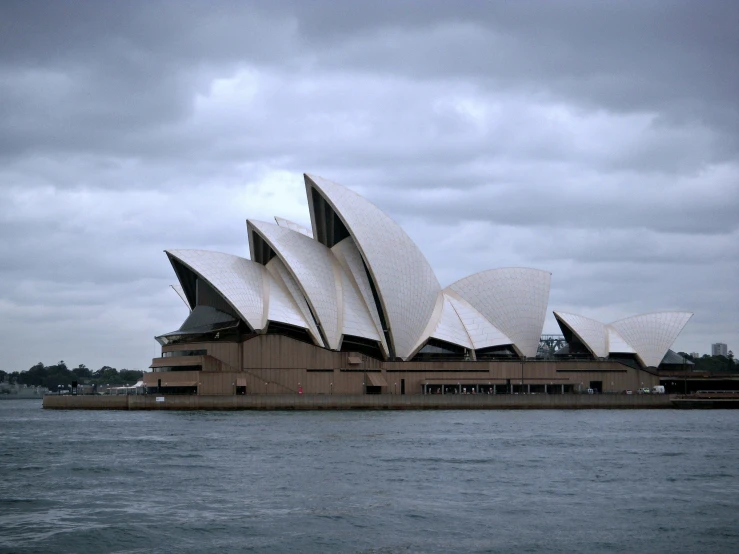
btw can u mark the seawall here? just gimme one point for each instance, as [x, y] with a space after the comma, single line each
[359, 402]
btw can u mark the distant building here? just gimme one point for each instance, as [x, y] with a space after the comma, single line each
[719, 349]
[695, 355]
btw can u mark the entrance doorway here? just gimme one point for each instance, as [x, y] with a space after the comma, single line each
[597, 386]
[402, 386]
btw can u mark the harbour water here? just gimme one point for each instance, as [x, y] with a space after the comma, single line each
[442, 481]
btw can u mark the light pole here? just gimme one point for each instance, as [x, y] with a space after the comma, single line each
[330, 388]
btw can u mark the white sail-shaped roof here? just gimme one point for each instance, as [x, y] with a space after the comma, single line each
[651, 335]
[238, 280]
[314, 269]
[282, 222]
[406, 285]
[591, 333]
[280, 273]
[356, 319]
[282, 307]
[348, 255]
[450, 327]
[482, 333]
[616, 343]
[363, 276]
[181, 293]
[514, 300]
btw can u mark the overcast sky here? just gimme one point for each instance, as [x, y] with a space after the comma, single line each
[596, 140]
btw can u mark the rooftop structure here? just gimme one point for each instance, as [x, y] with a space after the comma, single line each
[356, 283]
[357, 277]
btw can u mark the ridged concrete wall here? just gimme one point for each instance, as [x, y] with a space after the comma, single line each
[359, 402]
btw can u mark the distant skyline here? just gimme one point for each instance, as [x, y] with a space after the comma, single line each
[597, 141]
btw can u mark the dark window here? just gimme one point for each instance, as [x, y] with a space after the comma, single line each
[496, 353]
[167, 368]
[262, 253]
[297, 333]
[365, 346]
[187, 279]
[177, 353]
[330, 230]
[437, 350]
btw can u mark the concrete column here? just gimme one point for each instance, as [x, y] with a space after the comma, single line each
[563, 389]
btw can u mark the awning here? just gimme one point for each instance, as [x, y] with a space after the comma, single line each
[180, 384]
[241, 382]
[376, 380]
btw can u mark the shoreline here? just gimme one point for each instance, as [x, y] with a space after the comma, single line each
[307, 402]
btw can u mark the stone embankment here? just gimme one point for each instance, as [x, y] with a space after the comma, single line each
[359, 402]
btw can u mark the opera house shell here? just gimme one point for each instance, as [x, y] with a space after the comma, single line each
[355, 283]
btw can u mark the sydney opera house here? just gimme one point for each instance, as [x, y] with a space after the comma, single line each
[352, 306]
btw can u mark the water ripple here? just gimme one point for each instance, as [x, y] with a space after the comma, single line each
[368, 482]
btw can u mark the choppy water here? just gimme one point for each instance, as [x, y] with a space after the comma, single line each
[492, 481]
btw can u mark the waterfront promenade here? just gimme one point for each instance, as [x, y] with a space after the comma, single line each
[360, 402]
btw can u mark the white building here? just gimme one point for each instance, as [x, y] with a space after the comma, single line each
[719, 349]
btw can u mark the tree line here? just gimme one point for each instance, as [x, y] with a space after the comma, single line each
[712, 364]
[51, 376]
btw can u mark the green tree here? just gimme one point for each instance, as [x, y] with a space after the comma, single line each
[130, 376]
[56, 375]
[34, 377]
[106, 375]
[714, 364]
[82, 372]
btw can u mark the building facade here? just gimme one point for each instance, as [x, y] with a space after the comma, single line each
[352, 306]
[719, 349]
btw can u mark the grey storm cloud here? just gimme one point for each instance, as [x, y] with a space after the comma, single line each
[595, 140]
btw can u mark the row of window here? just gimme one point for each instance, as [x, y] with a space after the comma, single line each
[176, 353]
